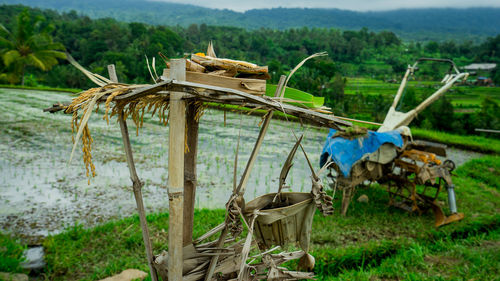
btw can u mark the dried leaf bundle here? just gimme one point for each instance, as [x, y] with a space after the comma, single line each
[82, 106]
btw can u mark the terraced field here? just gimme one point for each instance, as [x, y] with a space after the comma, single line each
[462, 97]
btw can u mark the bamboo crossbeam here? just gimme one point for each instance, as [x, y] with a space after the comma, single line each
[208, 91]
[143, 91]
[227, 96]
[326, 120]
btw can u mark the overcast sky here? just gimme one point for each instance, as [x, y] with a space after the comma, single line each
[357, 5]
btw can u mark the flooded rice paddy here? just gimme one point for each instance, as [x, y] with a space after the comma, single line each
[41, 193]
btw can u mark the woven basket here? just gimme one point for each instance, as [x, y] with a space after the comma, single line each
[281, 226]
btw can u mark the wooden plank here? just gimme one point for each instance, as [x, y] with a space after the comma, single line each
[251, 86]
[228, 64]
[176, 174]
[190, 172]
[136, 183]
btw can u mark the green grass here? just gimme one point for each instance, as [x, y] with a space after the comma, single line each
[486, 170]
[373, 242]
[11, 253]
[93, 254]
[467, 259]
[476, 143]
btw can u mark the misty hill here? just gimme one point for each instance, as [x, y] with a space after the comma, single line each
[422, 24]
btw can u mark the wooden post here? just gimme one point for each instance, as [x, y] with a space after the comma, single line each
[112, 73]
[136, 183]
[176, 173]
[190, 173]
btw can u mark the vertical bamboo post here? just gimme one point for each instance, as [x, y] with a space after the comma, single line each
[176, 173]
[136, 183]
[190, 173]
[112, 73]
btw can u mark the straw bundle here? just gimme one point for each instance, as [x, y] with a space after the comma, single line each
[82, 106]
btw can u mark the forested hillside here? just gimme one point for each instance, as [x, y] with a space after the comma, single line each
[421, 24]
[377, 55]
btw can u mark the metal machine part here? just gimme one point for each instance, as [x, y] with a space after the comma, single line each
[413, 174]
[395, 119]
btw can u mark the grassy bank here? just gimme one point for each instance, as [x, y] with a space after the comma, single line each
[373, 242]
[466, 142]
[11, 253]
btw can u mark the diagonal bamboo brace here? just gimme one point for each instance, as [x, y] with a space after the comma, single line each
[136, 183]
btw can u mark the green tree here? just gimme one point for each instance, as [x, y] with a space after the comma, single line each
[489, 116]
[30, 44]
[337, 85]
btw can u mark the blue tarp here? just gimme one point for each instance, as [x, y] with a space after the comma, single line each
[346, 152]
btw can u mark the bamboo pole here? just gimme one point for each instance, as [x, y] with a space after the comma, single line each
[359, 121]
[136, 183]
[190, 173]
[487, 131]
[176, 173]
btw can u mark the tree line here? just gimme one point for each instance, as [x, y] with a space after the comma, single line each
[414, 24]
[97, 43]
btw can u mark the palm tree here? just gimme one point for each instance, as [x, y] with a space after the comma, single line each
[29, 45]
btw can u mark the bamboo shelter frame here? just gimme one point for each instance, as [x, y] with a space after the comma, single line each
[182, 165]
